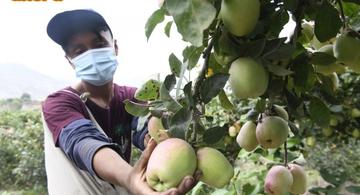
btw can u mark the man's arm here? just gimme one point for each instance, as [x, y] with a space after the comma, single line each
[111, 167]
[93, 152]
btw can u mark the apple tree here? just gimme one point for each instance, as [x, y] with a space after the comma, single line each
[281, 92]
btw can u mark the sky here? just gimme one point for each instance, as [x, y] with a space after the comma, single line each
[24, 39]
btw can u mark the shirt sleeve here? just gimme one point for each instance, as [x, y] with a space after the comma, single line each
[60, 109]
[140, 130]
[80, 140]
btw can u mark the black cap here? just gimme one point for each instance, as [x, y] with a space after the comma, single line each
[65, 24]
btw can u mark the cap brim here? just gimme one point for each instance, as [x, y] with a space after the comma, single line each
[64, 25]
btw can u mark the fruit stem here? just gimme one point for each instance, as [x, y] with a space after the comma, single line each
[342, 13]
[285, 155]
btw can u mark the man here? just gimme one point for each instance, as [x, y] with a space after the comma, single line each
[87, 130]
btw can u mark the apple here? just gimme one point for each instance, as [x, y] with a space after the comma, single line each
[329, 69]
[216, 169]
[232, 131]
[240, 16]
[335, 81]
[247, 136]
[346, 50]
[355, 113]
[310, 141]
[281, 112]
[248, 78]
[169, 163]
[157, 130]
[327, 131]
[356, 133]
[299, 179]
[278, 180]
[271, 132]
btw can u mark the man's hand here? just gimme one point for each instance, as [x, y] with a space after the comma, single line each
[138, 186]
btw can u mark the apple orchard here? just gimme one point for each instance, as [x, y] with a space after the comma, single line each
[262, 106]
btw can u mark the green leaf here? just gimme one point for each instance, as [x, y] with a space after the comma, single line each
[215, 134]
[260, 105]
[278, 70]
[136, 109]
[254, 48]
[170, 103]
[336, 180]
[248, 189]
[148, 91]
[327, 22]
[272, 45]
[168, 28]
[175, 64]
[291, 5]
[322, 59]
[278, 21]
[224, 101]
[191, 55]
[179, 123]
[188, 94]
[155, 18]
[353, 1]
[212, 86]
[319, 112]
[282, 52]
[192, 17]
[353, 189]
[304, 77]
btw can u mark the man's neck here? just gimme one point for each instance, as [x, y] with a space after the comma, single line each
[101, 95]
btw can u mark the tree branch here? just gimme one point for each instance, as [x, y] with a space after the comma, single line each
[339, 2]
[285, 155]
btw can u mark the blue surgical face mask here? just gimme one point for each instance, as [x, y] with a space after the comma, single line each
[96, 66]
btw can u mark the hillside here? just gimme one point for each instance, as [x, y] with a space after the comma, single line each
[18, 79]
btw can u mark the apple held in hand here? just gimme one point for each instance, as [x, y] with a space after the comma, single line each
[248, 78]
[157, 130]
[216, 169]
[299, 179]
[247, 136]
[169, 163]
[278, 180]
[272, 131]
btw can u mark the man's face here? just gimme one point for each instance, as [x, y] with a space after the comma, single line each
[81, 42]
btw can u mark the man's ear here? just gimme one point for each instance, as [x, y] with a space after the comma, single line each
[71, 64]
[116, 47]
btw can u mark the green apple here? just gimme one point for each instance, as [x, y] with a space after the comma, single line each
[331, 68]
[240, 16]
[310, 141]
[299, 179]
[356, 133]
[335, 81]
[272, 132]
[216, 169]
[169, 163]
[355, 113]
[247, 136]
[232, 131]
[327, 131]
[346, 50]
[333, 121]
[281, 112]
[157, 130]
[248, 78]
[278, 180]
